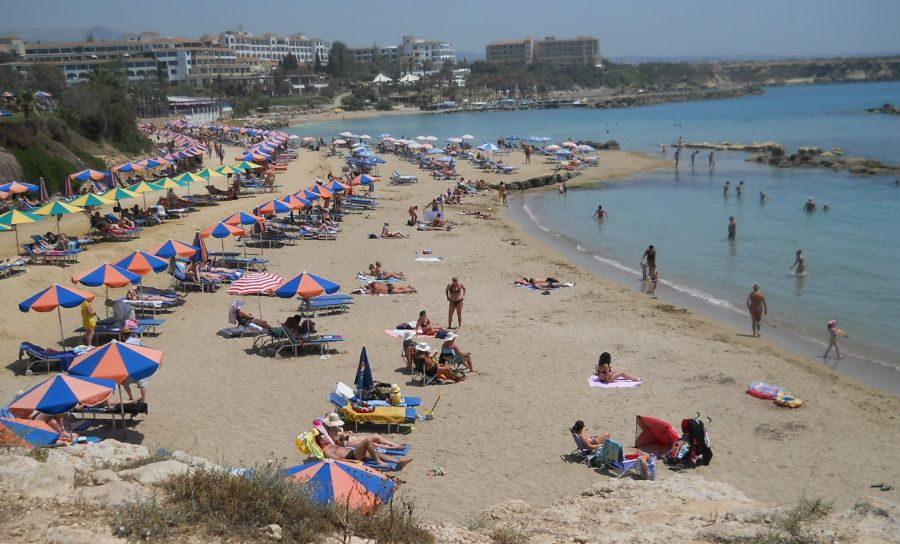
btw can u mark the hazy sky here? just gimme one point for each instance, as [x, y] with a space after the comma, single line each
[625, 28]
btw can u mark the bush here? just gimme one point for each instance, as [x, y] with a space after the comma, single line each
[220, 503]
[384, 105]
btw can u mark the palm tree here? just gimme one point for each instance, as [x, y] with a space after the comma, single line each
[25, 103]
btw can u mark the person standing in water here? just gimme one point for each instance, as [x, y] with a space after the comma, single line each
[833, 333]
[725, 188]
[763, 197]
[739, 190]
[712, 160]
[677, 157]
[648, 262]
[732, 228]
[810, 205]
[799, 266]
[756, 303]
[694, 156]
[600, 213]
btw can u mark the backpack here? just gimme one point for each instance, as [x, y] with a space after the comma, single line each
[693, 449]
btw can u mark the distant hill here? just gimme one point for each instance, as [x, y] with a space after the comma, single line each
[32, 35]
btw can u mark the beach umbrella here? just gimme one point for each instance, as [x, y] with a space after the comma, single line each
[569, 144]
[243, 218]
[435, 151]
[44, 195]
[654, 435]
[202, 254]
[585, 148]
[342, 483]
[254, 157]
[189, 177]
[166, 183]
[172, 248]
[345, 134]
[60, 394]
[223, 230]
[455, 140]
[488, 147]
[26, 433]
[365, 137]
[89, 174]
[275, 206]
[467, 137]
[552, 148]
[309, 195]
[420, 138]
[43, 94]
[128, 167]
[225, 170]
[142, 263]
[248, 165]
[363, 179]
[5, 228]
[257, 283]
[153, 163]
[308, 139]
[15, 217]
[53, 298]
[206, 173]
[59, 209]
[108, 275]
[142, 188]
[294, 202]
[68, 191]
[321, 190]
[306, 285]
[337, 187]
[117, 361]
[363, 380]
[90, 199]
[18, 187]
[425, 146]
[118, 193]
[3, 196]
[339, 142]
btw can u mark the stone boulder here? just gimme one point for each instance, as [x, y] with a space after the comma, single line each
[36, 480]
[155, 473]
[113, 493]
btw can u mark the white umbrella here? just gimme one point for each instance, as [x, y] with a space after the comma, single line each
[455, 140]
[413, 145]
[345, 134]
[339, 142]
[553, 147]
[569, 144]
[488, 147]
[365, 137]
[468, 137]
[431, 138]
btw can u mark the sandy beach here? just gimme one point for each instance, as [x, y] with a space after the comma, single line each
[499, 434]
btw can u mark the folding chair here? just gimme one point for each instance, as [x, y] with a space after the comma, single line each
[612, 459]
[581, 452]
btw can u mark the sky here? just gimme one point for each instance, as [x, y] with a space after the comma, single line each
[637, 28]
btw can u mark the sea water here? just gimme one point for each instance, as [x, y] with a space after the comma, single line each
[851, 251]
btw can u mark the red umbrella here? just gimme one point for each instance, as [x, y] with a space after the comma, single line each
[654, 435]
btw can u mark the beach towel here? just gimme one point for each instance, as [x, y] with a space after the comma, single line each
[531, 288]
[363, 278]
[594, 381]
[429, 259]
[236, 332]
[398, 333]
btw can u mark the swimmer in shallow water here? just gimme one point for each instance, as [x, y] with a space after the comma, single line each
[799, 266]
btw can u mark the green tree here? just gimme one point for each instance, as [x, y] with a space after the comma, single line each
[46, 77]
[25, 102]
[317, 67]
[289, 64]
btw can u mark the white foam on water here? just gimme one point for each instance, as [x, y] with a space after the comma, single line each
[579, 248]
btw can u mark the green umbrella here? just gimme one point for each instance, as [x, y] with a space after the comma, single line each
[141, 188]
[91, 199]
[15, 217]
[59, 209]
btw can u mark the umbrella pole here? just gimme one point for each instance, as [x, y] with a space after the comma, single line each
[62, 335]
[18, 247]
[122, 411]
[104, 302]
[57, 223]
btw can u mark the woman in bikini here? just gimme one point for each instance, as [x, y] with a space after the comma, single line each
[423, 324]
[756, 303]
[589, 442]
[456, 293]
[606, 375]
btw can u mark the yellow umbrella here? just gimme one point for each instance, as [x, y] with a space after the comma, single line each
[141, 188]
[91, 199]
[15, 217]
[206, 173]
[167, 183]
[119, 193]
[225, 170]
[187, 178]
[248, 166]
[59, 209]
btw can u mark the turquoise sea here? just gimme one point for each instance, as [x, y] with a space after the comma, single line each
[851, 250]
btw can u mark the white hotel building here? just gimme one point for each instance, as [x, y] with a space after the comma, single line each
[274, 48]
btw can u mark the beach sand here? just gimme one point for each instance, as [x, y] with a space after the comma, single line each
[499, 434]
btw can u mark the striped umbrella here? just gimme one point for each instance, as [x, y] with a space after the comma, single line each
[60, 394]
[68, 191]
[206, 173]
[171, 248]
[321, 190]
[85, 175]
[166, 183]
[222, 231]
[142, 263]
[202, 255]
[342, 483]
[188, 177]
[248, 165]
[45, 196]
[26, 433]
[117, 361]
[128, 167]
[59, 209]
[257, 283]
[306, 285]
[53, 298]
[309, 195]
[338, 187]
[118, 193]
[295, 202]
[152, 163]
[15, 217]
[91, 199]
[142, 188]
[107, 275]
[363, 179]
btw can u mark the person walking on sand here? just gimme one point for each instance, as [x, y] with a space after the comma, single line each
[833, 333]
[799, 266]
[456, 293]
[527, 149]
[88, 321]
[712, 160]
[756, 303]
[732, 228]
[502, 190]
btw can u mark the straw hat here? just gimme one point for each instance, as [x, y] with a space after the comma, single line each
[423, 346]
[395, 389]
[333, 420]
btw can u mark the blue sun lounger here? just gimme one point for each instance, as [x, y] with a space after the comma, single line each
[410, 416]
[37, 355]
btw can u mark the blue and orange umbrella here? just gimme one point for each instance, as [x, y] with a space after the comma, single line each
[117, 361]
[342, 483]
[243, 218]
[321, 190]
[338, 187]
[172, 248]
[294, 202]
[17, 187]
[26, 433]
[53, 298]
[89, 174]
[202, 255]
[107, 275]
[142, 263]
[222, 231]
[306, 285]
[309, 195]
[363, 179]
[275, 206]
[60, 394]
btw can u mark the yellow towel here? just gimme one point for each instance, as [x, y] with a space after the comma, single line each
[381, 414]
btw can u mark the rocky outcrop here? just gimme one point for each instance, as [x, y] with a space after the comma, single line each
[663, 97]
[608, 145]
[888, 109]
[814, 157]
[541, 181]
[773, 148]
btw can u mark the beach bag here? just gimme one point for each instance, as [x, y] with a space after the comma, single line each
[382, 391]
[647, 466]
[404, 327]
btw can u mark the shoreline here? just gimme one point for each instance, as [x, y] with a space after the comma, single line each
[864, 369]
[533, 354]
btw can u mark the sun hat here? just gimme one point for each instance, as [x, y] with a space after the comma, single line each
[423, 346]
[333, 420]
[451, 336]
[408, 335]
[395, 388]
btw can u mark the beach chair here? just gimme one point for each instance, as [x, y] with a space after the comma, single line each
[418, 373]
[14, 264]
[345, 409]
[181, 281]
[37, 355]
[612, 459]
[51, 256]
[456, 362]
[581, 452]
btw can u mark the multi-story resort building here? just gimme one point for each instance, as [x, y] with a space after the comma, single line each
[579, 51]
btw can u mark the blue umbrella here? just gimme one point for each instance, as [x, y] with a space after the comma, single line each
[488, 147]
[31, 187]
[378, 160]
[363, 380]
[344, 483]
[26, 432]
[306, 285]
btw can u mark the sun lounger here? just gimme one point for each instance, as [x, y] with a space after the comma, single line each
[181, 281]
[295, 344]
[15, 264]
[381, 415]
[258, 264]
[112, 411]
[149, 325]
[37, 355]
[612, 459]
[52, 256]
[321, 307]
[398, 179]
[115, 330]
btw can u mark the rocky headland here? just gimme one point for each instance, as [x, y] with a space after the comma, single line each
[887, 109]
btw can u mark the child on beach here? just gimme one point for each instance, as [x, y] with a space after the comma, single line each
[833, 333]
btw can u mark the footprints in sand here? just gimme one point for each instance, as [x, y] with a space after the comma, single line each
[778, 432]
